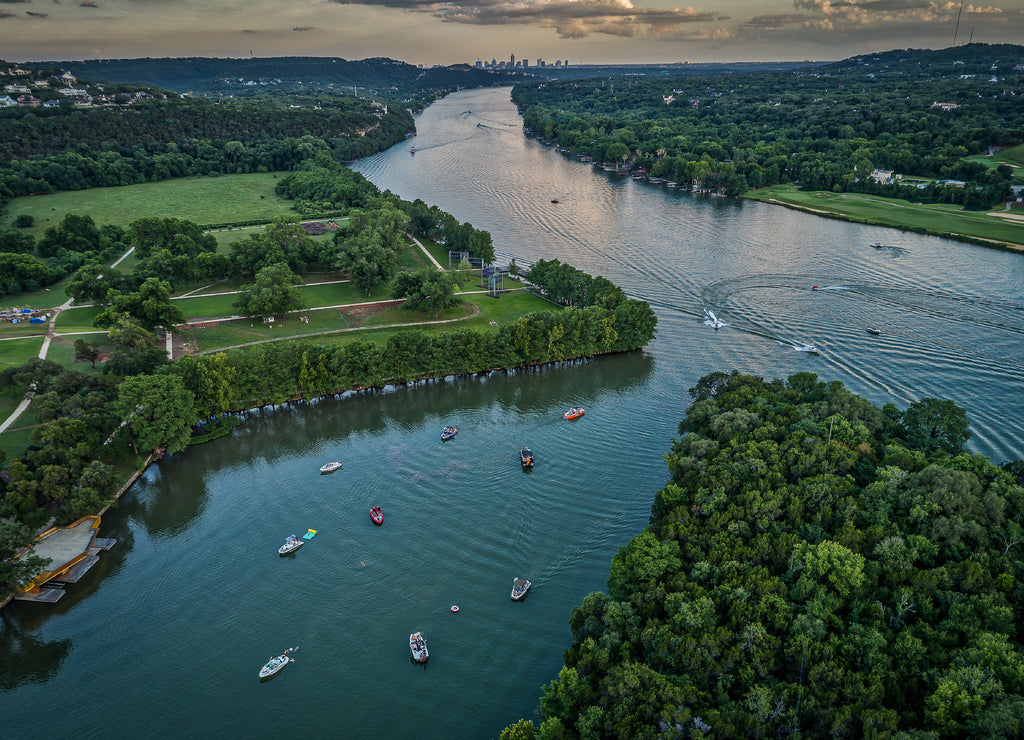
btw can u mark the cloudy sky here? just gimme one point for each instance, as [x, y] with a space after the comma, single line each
[449, 31]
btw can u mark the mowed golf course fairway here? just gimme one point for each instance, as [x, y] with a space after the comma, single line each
[933, 218]
[202, 200]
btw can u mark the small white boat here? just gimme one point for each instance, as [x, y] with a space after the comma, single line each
[418, 647]
[873, 330]
[519, 588]
[276, 664]
[329, 467]
[291, 544]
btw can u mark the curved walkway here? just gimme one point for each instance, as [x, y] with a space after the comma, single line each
[51, 333]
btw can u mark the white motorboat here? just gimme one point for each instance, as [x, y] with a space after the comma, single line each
[276, 664]
[329, 467]
[519, 588]
[291, 544]
[418, 646]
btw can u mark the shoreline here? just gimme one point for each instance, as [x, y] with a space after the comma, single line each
[966, 238]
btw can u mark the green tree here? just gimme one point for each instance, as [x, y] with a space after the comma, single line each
[159, 411]
[368, 262]
[426, 290]
[16, 574]
[936, 426]
[150, 306]
[273, 293]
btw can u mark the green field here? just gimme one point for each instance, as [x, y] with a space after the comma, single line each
[508, 307]
[1013, 156]
[939, 219]
[17, 352]
[204, 200]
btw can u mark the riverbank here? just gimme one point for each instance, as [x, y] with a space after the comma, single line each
[984, 229]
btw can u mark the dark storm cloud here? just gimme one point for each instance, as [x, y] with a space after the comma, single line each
[571, 19]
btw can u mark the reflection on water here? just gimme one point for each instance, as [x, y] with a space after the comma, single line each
[26, 658]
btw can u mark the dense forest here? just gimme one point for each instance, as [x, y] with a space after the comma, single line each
[816, 566]
[827, 128]
[225, 76]
[45, 150]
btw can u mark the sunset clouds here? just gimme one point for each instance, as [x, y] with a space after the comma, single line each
[449, 31]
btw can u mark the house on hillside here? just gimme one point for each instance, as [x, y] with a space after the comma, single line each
[68, 79]
[945, 106]
[883, 177]
[6, 101]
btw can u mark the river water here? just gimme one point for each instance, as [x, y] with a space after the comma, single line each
[167, 633]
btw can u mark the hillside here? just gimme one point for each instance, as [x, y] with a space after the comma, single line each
[210, 75]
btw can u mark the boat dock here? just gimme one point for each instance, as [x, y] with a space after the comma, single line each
[71, 552]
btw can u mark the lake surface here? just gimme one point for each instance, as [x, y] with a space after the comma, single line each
[167, 633]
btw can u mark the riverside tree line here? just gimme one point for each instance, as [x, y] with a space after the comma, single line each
[826, 127]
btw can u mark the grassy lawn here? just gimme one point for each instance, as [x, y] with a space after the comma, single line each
[21, 329]
[508, 307]
[204, 200]
[930, 218]
[77, 319]
[43, 298]
[17, 352]
[62, 351]
[16, 439]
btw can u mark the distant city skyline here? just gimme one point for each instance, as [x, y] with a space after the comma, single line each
[428, 32]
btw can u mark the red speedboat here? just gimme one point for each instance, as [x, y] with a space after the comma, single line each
[377, 515]
[574, 413]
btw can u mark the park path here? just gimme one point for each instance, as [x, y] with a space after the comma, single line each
[169, 343]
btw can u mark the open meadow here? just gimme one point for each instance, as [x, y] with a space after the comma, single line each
[203, 200]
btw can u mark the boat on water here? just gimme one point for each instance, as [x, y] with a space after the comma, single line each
[878, 245]
[554, 200]
[377, 515]
[519, 588]
[526, 457]
[449, 432]
[291, 544]
[714, 322]
[873, 330]
[574, 413]
[274, 665]
[418, 646]
[329, 467]
[412, 150]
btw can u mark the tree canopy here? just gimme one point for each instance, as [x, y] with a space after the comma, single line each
[816, 566]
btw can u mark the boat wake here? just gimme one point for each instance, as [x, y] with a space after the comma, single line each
[713, 321]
